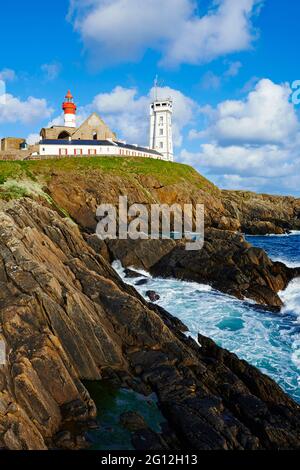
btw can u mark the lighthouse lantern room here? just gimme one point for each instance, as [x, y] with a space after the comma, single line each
[69, 108]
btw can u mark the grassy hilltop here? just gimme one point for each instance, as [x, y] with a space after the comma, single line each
[14, 173]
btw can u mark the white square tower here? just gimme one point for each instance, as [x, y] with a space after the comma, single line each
[161, 138]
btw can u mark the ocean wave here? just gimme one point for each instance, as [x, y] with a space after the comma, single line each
[291, 233]
[291, 298]
[269, 342]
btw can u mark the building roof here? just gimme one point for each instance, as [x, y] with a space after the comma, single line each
[98, 142]
[74, 142]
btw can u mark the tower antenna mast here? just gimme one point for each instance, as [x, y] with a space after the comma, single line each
[156, 88]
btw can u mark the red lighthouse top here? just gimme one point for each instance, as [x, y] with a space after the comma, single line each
[69, 106]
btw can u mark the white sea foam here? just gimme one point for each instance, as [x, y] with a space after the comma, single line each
[287, 262]
[291, 233]
[266, 340]
[291, 298]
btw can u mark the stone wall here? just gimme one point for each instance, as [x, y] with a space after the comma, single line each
[11, 143]
[93, 128]
[54, 132]
[10, 155]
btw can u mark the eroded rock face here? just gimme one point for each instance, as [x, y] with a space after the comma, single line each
[66, 316]
[238, 211]
[261, 214]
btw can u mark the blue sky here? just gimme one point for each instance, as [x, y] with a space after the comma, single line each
[229, 65]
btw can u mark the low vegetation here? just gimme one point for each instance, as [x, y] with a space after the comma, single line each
[42, 170]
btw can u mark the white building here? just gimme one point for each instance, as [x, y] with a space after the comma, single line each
[94, 137]
[161, 138]
[64, 148]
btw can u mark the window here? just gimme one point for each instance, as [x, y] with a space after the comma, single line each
[161, 144]
[161, 132]
[161, 119]
[95, 136]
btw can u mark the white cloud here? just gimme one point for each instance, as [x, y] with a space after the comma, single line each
[128, 113]
[51, 71]
[7, 75]
[122, 30]
[252, 143]
[33, 139]
[265, 117]
[12, 109]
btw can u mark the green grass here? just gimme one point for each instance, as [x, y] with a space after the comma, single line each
[167, 173]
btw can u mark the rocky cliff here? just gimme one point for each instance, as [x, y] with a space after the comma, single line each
[66, 316]
[80, 185]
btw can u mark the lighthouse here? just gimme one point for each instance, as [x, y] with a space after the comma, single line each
[161, 138]
[70, 109]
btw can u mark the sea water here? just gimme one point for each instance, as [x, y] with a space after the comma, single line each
[267, 340]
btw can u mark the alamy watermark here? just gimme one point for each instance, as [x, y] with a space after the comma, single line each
[154, 221]
[296, 93]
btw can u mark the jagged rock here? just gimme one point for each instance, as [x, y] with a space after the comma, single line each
[66, 316]
[261, 214]
[129, 273]
[141, 282]
[152, 295]
[133, 421]
[146, 439]
[226, 262]
[231, 265]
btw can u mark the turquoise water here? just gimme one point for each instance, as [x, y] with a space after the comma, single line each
[111, 402]
[269, 341]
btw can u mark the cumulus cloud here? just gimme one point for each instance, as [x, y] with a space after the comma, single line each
[33, 139]
[12, 109]
[127, 112]
[121, 30]
[265, 117]
[253, 141]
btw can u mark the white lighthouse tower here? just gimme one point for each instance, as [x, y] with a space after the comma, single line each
[69, 108]
[161, 138]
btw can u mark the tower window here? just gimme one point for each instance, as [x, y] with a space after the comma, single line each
[161, 132]
[161, 144]
[161, 119]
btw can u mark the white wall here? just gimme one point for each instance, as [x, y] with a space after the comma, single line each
[77, 150]
[70, 120]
